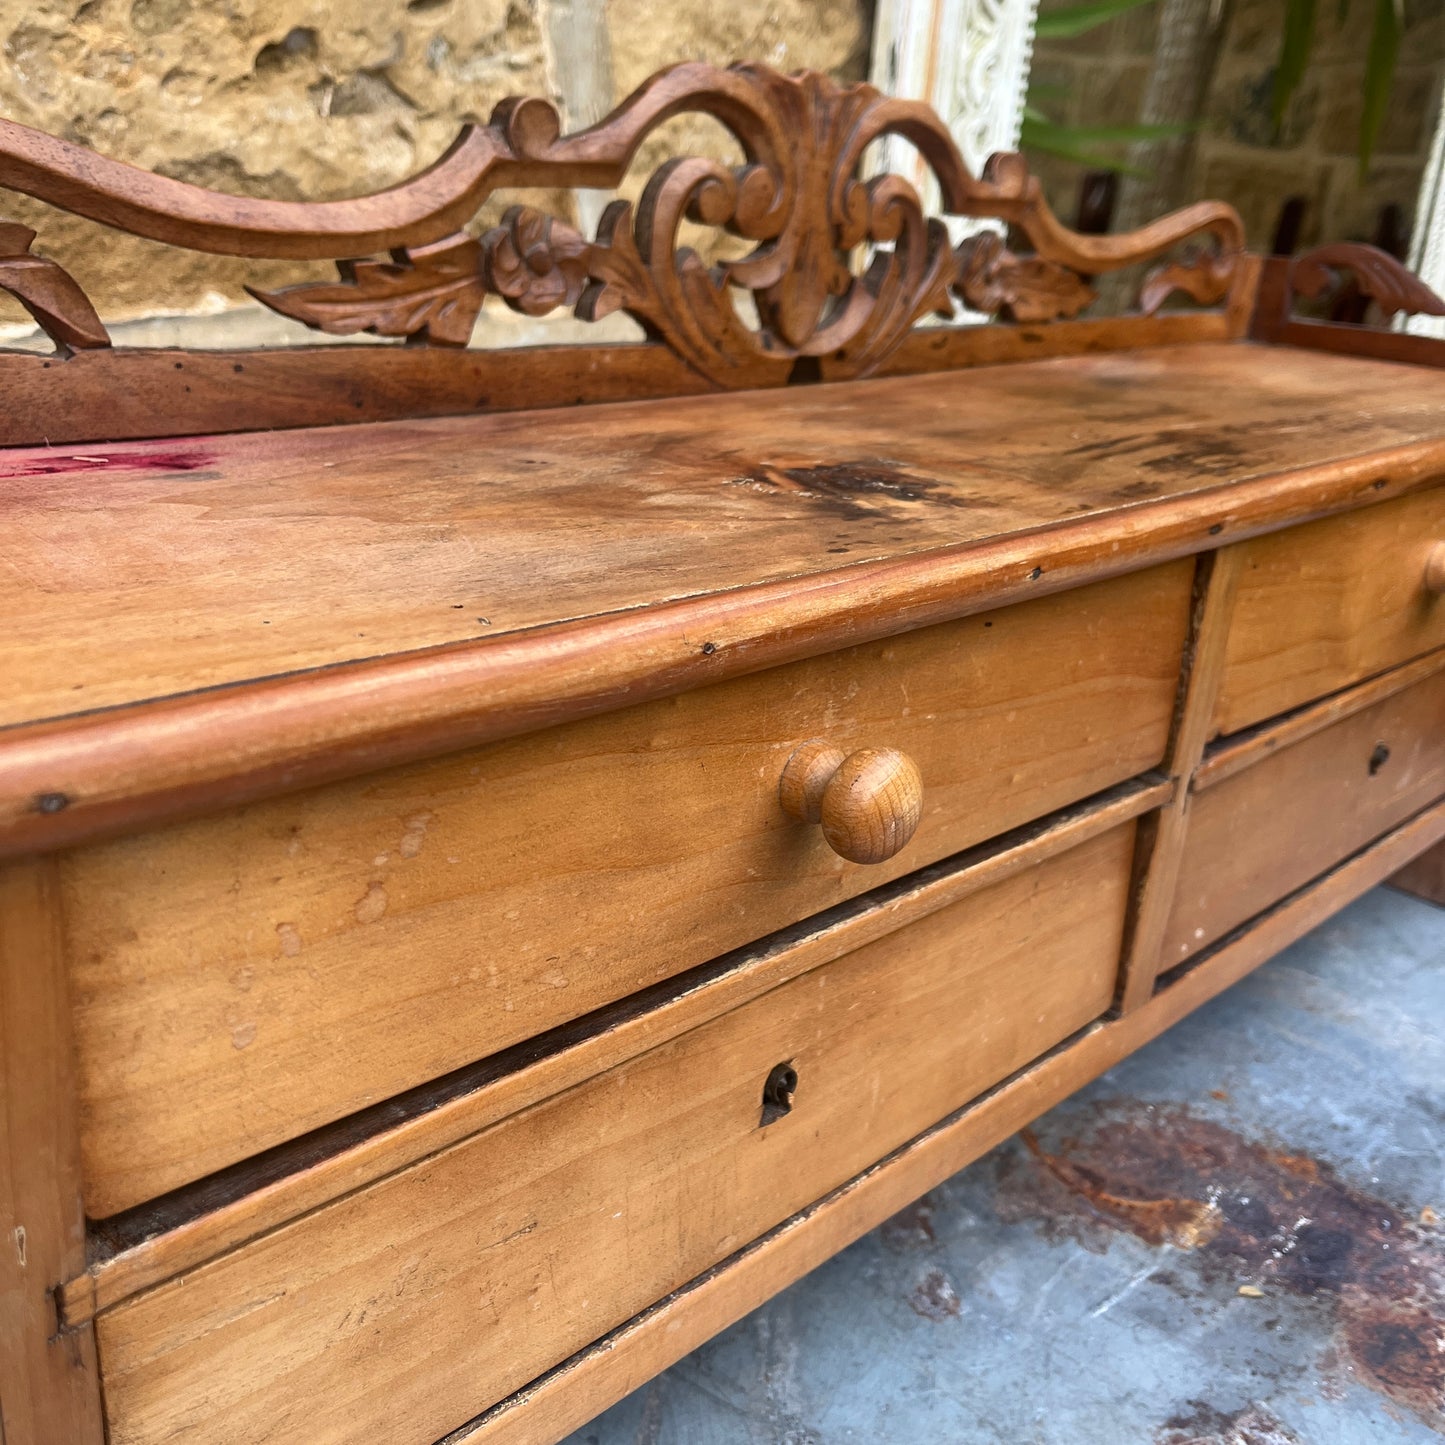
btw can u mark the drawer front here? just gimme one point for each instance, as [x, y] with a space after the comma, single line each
[1323, 606]
[239, 981]
[408, 1307]
[1262, 832]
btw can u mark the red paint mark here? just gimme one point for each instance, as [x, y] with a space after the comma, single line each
[98, 460]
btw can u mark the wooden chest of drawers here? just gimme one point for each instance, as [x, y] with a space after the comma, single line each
[488, 896]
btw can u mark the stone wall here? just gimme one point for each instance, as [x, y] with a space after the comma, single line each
[1100, 79]
[317, 99]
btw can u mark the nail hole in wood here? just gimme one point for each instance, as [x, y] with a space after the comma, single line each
[778, 1091]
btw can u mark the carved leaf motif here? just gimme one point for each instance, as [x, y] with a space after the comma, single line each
[535, 263]
[1205, 277]
[1377, 273]
[433, 293]
[48, 292]
[991, 279]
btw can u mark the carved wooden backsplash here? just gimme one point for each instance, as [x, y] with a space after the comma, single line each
[800, 198]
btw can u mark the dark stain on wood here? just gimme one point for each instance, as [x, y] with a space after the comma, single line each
[1244, 1213]
[857, 490]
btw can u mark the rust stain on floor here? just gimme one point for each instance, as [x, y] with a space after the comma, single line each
[1204, 1425]
[1271, 1221]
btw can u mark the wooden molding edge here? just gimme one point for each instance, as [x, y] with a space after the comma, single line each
[580, 1388]
[133, 393]
[73, 779]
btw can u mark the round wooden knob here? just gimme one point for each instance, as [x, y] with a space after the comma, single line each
[868, 802]
[1435, 568]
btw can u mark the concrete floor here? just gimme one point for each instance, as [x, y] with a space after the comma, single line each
[1236, 1237]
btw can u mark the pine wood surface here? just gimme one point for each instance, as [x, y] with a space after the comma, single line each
[405, 1308]
[241, 979]
[176, 584]
[1268, 829]
[565, 1398]
[1325, 605]
[134, 392]
[1161, 837]
[154, 1243]
[161, 571]
[49, 1382]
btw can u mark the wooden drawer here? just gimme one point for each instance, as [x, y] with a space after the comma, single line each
[405, 1308]
[1262, 831]
[238, 981]
[1323, 606]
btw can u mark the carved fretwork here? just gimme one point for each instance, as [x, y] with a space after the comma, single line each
[839, 268]
[432, 293]
[1377, 274]
[993, 280]
[48, 292]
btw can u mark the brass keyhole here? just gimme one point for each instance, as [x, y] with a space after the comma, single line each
[778, 1091]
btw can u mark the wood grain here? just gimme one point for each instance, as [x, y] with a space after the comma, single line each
[155, 1243]
[1424, 877]
[1324, 606]
[1270, 828]
[1161, 839]
[412, 1305]
[869, 802]
[1244, 750]
[566, 1398]
[49, 1383]
[131, 392]
[380, 933]
[688, 543]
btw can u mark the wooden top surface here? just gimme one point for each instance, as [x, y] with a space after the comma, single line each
[144, 570]
[406, 588]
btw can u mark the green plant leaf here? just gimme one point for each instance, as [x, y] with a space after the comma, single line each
[1380, 61]
[1064, 142]
[1294, 54]
[1075, 20]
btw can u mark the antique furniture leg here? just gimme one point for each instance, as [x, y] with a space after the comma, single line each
[1425, 877]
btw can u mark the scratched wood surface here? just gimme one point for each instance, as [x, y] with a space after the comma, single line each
[143, 570]
[381, 932]
[1270, 828]
[408, 1307]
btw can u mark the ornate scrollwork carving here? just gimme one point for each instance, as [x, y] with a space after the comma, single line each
[991, 279]
[535, 263]
[1203, 277]
[48, 292]
[433, 293]
[799, 199]
[1377, 274]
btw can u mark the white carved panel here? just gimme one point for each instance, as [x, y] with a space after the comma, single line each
[1427, 247]
[969, 59]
